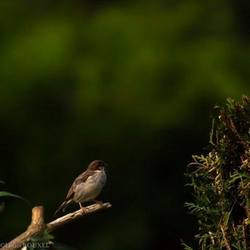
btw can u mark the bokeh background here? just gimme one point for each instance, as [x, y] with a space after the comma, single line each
[130, 82]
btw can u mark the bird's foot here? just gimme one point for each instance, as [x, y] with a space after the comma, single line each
[82, 208]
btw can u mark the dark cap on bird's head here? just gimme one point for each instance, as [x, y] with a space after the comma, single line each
[97, 165]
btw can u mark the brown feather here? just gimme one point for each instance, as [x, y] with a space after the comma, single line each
[61, 208]
[80, 179]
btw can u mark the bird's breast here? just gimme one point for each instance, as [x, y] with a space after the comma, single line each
[99, 177]
[91, 187]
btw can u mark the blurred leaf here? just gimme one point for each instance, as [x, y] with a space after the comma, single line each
[4, 193]
[45, 237]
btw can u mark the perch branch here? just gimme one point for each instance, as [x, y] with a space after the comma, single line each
[38, 226]
[75, 215]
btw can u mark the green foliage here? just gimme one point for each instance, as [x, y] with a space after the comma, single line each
[221, 181]
[40, 241]
[43, 242]
[4, 193]
[45, 237]
[186, 247]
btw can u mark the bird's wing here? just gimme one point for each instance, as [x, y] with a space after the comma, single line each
[80, 179]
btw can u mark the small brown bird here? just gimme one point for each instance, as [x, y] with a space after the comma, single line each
[86, 187]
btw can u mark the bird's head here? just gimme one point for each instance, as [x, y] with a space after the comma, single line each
[97, 165]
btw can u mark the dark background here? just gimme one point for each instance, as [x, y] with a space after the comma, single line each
[130, 83]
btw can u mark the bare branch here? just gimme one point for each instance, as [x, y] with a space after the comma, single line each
[68, 218]
[38, 226]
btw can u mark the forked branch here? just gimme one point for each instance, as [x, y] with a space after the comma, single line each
[38, 226]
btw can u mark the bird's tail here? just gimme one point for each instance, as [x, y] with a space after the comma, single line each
[61, 209]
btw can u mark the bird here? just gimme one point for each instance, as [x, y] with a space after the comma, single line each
[86, 187]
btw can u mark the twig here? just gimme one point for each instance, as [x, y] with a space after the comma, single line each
[225, 239]
[245, 228]
[38, 226]
[76, 215]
